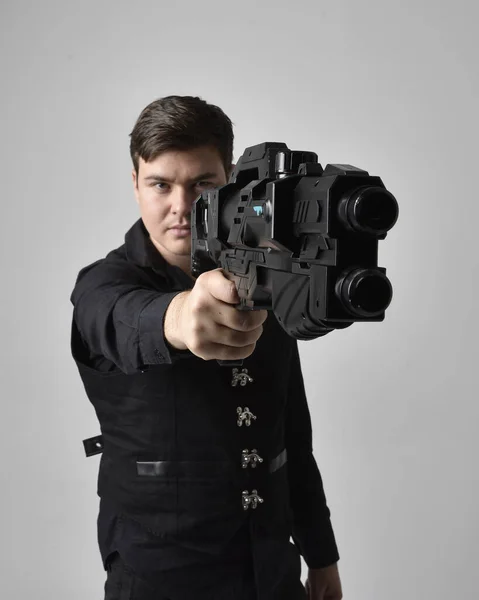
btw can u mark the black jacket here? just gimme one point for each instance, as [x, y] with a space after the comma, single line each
[193, 453]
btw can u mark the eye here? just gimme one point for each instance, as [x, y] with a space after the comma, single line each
[160, 183]
[207, 184]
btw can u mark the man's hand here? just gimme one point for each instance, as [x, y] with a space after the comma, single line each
[206, 321]
[324, 584]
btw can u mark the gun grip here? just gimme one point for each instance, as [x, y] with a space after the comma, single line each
[230, 363]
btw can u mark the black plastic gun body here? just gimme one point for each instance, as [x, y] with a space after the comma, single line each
[298, 239]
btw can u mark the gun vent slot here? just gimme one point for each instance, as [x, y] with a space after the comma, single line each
[300, 212]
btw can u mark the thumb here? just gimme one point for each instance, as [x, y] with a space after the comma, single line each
[232, 283]
[222, 287]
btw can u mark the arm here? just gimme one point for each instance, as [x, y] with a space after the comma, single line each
[312, 529]
[120, 316]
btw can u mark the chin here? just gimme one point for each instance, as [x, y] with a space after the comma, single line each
[179, 247]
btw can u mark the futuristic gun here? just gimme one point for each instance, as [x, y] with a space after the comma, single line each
[297, 239]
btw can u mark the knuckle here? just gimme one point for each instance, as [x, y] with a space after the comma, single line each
[196, 342]
[196, 327]
[204, 276]
[198, 302]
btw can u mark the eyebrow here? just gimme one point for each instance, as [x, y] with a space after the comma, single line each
[158, 177]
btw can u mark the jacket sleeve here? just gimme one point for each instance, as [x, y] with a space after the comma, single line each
[312, 529]
[118, 316]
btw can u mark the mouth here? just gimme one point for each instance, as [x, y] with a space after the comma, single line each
[181, 231]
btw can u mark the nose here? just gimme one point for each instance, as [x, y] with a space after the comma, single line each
[182, 201]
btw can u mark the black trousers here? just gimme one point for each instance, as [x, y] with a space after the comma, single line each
[123, 584]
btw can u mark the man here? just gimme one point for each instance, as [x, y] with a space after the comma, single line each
[206, 471]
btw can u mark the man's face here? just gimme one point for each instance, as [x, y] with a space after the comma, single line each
[165, 190]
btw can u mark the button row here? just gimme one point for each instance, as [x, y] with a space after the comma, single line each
[247, 458]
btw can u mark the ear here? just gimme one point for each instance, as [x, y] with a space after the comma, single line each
[135, 185]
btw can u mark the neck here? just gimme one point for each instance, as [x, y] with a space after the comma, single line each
[182, 261]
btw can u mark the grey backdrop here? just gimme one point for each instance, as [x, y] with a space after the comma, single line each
[391, 87]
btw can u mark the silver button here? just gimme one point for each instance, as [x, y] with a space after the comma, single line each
[242, 378]
[250, 459]
[245, 415]
[251, 499]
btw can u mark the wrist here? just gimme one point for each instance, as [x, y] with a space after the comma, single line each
[172, 325]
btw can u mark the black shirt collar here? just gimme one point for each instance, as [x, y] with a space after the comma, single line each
[141, 251]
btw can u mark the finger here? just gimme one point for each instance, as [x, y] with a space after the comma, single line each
[247, 320]
[222, 288]
[237, 339]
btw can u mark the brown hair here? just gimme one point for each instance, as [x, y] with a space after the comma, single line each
[181, 123]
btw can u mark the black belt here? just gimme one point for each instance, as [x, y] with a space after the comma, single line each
[179, 468]
[162, 468]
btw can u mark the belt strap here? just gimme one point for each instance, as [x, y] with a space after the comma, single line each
[279, 461]
[176, 468]
[173, 468]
